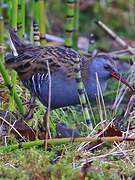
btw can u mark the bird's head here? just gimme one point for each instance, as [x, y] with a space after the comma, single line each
[105, 68]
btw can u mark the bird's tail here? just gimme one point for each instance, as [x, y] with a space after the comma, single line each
[15, 42]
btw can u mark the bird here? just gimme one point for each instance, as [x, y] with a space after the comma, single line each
[31, 64]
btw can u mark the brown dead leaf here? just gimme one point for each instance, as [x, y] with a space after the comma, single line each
[26, 131]
[111, 131]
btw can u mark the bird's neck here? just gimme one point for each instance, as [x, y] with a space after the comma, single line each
[92, 82]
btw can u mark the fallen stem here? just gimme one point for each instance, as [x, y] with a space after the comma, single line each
[27, 145]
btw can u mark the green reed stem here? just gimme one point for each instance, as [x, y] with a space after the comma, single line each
[10, 85]
[9, 3]
[69, 28]
[69, 24]
[81, 93]
[36, 33]
[1, 30]
[59, 141]
[42, 21]
[14, 96]
[29, 22]
[0, 7]
[14, 13]
[36, 11]
[39, 25]
[4, 72]
[21, 18]
[76, 25]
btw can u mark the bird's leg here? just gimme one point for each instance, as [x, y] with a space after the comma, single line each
[46, 125]
[31, 106]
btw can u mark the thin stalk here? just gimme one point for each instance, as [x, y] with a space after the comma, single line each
[1, 30]
[14, 11]
[40, 5]
[92, 44]
[10, 86]
[0, 8]
[42, 21]
[36, 33]
[60, 141]
[4, 72]
[1, 25]
[76, 25]
[36, 11]
[69, 24]
[122, 57]
[69, 28]
[81, 93]
[21, 18]
[29, 21]
[9, 3]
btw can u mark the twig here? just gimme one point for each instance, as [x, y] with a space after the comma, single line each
[12, 127]
[115, 37]
[130, 105]
[49, 105]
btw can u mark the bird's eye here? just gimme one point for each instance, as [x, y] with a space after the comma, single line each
[107, 67]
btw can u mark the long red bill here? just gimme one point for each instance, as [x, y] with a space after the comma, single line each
[121, 78]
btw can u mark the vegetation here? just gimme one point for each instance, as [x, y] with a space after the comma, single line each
[66, 21]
